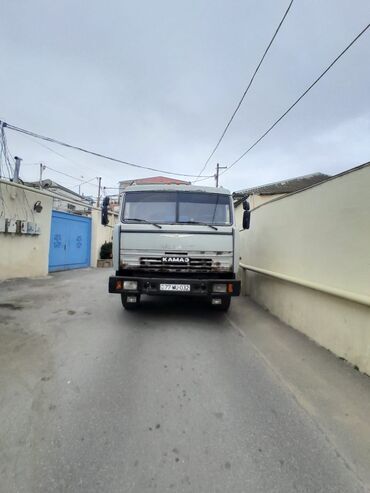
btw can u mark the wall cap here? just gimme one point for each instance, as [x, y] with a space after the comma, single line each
[340, 293]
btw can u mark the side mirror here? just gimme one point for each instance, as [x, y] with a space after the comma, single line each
[246, 205]
[246, 219]
[246, 215]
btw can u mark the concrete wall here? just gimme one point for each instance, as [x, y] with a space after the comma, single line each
[255, 200]
[100, 234]
[320, 235]
[24, 255]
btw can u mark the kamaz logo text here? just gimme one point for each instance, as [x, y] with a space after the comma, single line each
[175, 260]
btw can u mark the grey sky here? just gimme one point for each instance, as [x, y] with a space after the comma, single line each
[155, 83]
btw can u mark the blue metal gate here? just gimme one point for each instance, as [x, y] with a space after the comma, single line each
[70, 241]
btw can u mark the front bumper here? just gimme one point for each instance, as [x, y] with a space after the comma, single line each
[151, 286]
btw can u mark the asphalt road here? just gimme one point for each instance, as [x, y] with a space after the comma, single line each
[174, 397]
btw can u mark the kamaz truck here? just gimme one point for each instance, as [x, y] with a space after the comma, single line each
[176, 240]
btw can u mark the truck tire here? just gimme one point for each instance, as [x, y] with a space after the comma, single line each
[129, 306]
[225, 304]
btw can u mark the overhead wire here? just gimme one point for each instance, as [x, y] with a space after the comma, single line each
[1, 151]
[58, 153]
[87, 182]
[93, 153]
[298, 99]
[32, 134]
[247, 89]
[5, 153]
[71, 176]
[203, 178]
[4, 150]
[81, 180]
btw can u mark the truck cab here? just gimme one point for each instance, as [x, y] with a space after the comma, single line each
[175, 240]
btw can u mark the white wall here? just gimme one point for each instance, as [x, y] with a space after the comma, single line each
[320, 235]
[24, 255]
[255, 200]
[100, 234]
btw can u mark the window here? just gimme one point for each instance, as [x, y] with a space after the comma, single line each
[151, 206]
[177, 207]
[208, 208]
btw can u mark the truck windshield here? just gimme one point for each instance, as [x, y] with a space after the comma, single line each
[177, 207]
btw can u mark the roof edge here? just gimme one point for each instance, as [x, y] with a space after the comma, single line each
[334, 177]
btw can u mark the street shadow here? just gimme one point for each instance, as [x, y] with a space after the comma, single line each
[175, 309]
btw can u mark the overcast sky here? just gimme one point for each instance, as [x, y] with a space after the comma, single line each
[154, 82]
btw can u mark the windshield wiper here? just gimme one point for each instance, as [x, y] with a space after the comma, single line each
[199, 222]
[142, 221]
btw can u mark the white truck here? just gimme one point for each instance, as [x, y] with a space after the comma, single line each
[176, 240]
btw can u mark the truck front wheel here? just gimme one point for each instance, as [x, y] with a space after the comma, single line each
[224, 305]
[128, 303]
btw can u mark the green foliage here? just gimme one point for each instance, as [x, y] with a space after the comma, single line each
[106, 251]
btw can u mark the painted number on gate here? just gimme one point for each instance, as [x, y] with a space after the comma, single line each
[79, 241]
[57, 241]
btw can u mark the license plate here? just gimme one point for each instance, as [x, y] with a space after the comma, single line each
[174, 287]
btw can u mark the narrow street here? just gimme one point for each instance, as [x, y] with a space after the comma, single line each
[173, 397]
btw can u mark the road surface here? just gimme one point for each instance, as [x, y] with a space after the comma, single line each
[171, 398]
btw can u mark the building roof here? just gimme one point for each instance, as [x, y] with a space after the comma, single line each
[48, 184]
[153, 180]
[177, 188]
[284, 186]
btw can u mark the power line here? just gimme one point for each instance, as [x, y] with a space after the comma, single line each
[87, 182]
[5, 153]
[70, 176]
[58, 154]
[81, 180]
[203, 178]
[247, 89]
[299, 99]
[86, 151]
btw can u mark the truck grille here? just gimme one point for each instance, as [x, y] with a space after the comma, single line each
[194, 263]
[197, 261]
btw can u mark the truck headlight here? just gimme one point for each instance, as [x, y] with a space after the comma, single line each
[130, 285]
[219, 288]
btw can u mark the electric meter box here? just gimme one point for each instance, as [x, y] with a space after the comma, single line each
[23, 227]
[37, 229]
[11, 226]
[31, 228]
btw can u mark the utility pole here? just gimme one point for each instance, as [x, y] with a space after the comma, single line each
[42, 169]
[17, 168]
[99, 189]
[217, 175]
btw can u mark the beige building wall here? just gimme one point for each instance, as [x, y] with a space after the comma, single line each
[24, 255]
[254, 200]
[320, 235]
[100, 234]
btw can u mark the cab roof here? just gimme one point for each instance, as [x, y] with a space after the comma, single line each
[176, 188]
